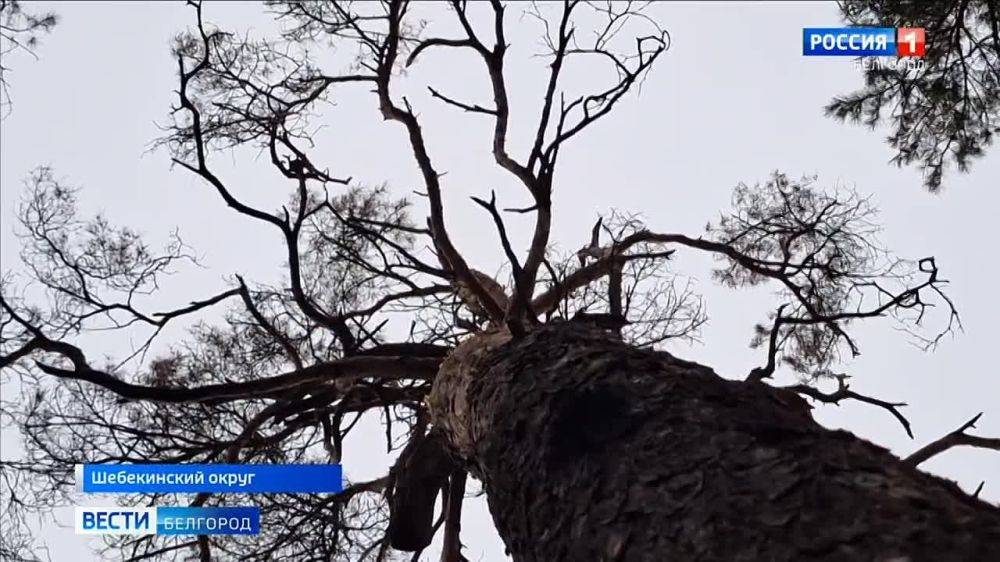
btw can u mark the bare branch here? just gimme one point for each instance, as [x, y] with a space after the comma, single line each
[460, 105]
[844, 392]
[957, 438]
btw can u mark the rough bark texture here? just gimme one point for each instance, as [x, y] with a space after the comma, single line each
[591, 450]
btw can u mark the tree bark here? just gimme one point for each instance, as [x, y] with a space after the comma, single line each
[591, 450]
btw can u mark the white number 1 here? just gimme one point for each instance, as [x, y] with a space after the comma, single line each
[911, 38]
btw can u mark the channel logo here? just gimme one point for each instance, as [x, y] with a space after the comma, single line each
[863, 42]
[115, 520]
[167, 520]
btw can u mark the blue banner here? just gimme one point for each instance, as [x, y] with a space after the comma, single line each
[212, 478]
[207, 520]
[849, 42]
[167, 520]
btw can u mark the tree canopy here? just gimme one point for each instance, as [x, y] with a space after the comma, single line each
[948, 112]
[20, 31]
[292, 367]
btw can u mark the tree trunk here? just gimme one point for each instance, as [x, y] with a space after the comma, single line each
[591, 450]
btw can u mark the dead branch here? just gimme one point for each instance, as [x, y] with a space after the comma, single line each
[957, 438]
[844, 392]
[451, 551]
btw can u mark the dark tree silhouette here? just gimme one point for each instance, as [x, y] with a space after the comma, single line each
[946, 113]
[548, 387]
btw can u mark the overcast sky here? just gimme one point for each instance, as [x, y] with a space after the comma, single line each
[731, 101]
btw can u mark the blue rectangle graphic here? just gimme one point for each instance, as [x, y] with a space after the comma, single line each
[849, 42]
[213, 478]
[207, 520]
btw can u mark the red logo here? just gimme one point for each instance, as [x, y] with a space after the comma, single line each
[910, 42]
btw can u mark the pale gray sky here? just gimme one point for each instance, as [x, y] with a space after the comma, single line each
[732, 100]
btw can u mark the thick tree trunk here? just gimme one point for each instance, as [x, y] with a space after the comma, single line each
[591, 450]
